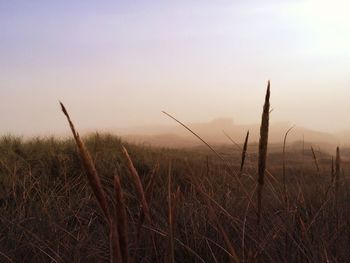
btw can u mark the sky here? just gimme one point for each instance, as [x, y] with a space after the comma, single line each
[120, 63]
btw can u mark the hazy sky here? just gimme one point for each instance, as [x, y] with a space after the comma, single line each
[119, 63]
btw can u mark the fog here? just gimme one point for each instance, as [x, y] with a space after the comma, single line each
[118, 64]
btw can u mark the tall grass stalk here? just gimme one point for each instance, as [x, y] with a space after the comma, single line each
[285, 194]
[264, 135]
[170, 258]
[337, 176]
[316, 161]
[244, 152]
[122, 220]
[332, 170]
[284, 166]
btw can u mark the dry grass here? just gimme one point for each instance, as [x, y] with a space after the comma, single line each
[183, 212]
[117, 221]
[50, 188]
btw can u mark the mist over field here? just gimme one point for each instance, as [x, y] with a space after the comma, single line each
[118, 64]
[223, 131]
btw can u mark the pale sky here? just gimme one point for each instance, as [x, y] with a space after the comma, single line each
[120, 63]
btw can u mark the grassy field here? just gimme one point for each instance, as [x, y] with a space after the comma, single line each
[100, 199]
[49, 212]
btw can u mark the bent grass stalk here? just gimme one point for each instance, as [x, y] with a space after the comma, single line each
[286, 239]
[284, 166]
[92, 176]
[233, 172]
[138, 185]
[99, 193]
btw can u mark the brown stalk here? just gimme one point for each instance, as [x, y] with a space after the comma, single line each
[286, 239]
[337, 175]
[170, 221]
[148, 195]
[244, 152]
[114, 243]
[138, 185]
[337, 170]
[229, 137]
[228, 166]
[317, 169]
[93, 178]
[150, 184]
[121, 218]
[100, 195]
[332, 170]
[264, 134]
[175, 206]
[164, 234]
[284, 166]
[315, 160]
[208, 167]
[228, 243]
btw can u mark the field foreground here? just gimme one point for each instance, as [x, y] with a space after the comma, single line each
[198, 212]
